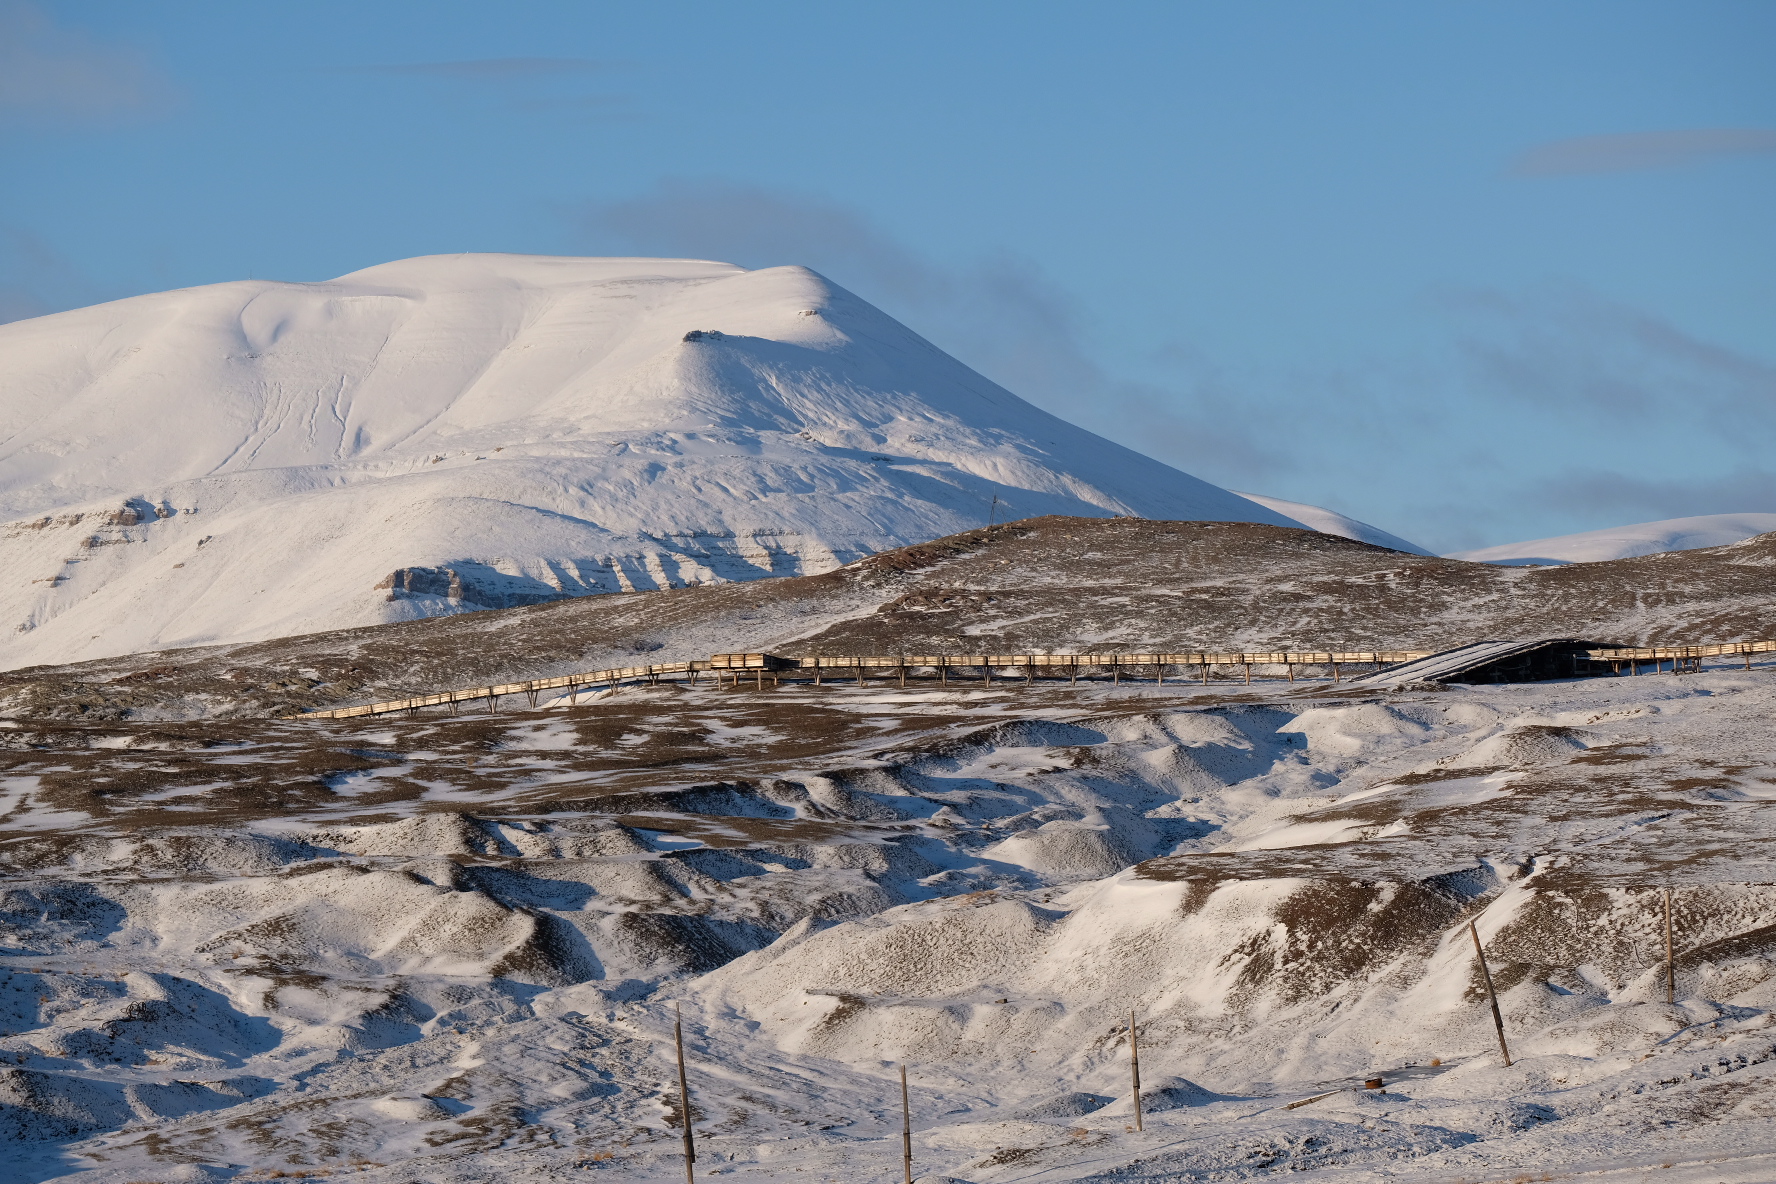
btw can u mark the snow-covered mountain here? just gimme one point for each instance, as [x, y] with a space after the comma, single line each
[1624, 542]
[1332, 522]
[258, 459]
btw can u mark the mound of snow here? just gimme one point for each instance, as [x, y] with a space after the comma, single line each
[1071, 1104]
[1623, 542]
[258, 459]
[1332, 522]
[1159, 1094]
[1534, 744]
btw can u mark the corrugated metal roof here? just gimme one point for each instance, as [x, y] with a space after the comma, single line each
[1448, 664]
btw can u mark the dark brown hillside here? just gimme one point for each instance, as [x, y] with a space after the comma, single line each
[1044, 584]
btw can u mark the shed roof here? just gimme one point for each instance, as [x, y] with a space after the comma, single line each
[1463, 659]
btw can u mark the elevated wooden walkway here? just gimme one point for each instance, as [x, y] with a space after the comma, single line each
[985, 669]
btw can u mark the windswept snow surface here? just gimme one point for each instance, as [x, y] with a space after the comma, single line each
[1623, 542]
[450, 950]
[258, 459]
[1332, 522]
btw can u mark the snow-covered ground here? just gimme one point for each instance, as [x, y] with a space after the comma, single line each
[1622, 542]
[1332, 522]
[258, 459]
[451, 949]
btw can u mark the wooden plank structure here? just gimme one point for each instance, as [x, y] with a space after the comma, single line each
[737, 670]
[1682, 657]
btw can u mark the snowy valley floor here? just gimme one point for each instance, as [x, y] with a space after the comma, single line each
[450, 949]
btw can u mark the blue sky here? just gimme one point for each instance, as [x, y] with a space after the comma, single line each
[1472, 271]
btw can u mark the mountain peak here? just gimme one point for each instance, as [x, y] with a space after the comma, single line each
[551, 426]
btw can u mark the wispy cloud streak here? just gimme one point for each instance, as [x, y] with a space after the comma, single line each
[1642, 151]
[488, 69]
[50, 74]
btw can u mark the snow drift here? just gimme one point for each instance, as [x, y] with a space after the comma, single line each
[258, 459]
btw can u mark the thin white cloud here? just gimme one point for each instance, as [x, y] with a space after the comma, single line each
[488, 69]
[1641, 151]
[53, 74]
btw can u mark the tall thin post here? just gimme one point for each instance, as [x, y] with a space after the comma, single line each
[906, 1129]
[1135, 1066]
[684, 1097]
[1498, 1021]
[1670, 967]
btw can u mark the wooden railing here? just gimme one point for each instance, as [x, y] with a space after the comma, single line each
[1660, 653]
[735, 668]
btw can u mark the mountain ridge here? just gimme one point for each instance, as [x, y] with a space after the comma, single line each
[255, 459]
[1052, 584]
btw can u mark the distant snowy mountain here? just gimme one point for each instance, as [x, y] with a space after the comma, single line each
[257, 459]
[1623, 542]
[1332, 522]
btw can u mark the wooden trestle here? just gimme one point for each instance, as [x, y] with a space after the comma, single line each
[754, 669]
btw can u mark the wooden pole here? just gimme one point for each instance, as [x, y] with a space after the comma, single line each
[1334, 672]
[1498, 1021]
[684, 1097]
[1135, 1066]
[1670, 966]
[1205, 672]
[1248, 674]
[906, 1129]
